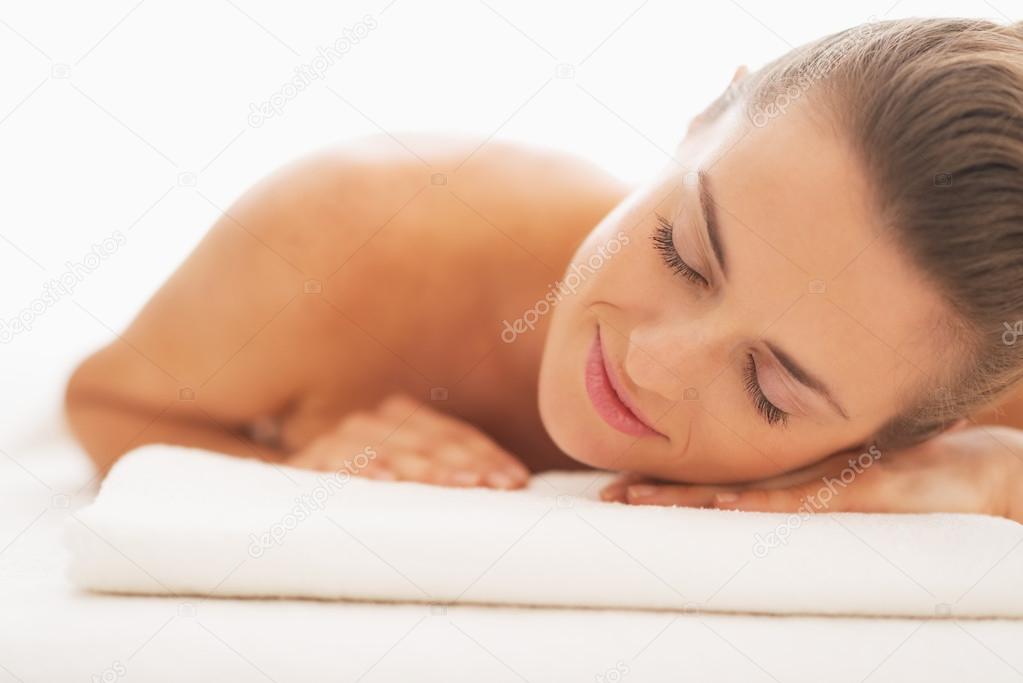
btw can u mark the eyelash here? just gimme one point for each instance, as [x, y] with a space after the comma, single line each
[771, 413]
[664, 242]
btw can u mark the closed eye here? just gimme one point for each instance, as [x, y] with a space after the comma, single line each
[664, 242]
[771, 413]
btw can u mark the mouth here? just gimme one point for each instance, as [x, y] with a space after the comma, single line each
[608, 396]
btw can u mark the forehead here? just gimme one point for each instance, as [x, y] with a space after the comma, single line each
[813, 263]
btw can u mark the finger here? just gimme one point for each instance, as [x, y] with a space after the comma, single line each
[336, 455]
[410, 423]
[478, 459]
[398, 403]
[457, 444]
[426, 468]
[673, 494]
[615, 491]
[369, 428]
[404, 413]
[794, 499]
[473, 466]
[411, 466]
[425, 419]
[378, 472]
[377, 468]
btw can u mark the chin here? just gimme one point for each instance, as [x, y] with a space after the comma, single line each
[585, 445]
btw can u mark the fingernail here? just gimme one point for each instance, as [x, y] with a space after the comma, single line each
[725, 497]
[500, 480]
[641, 491]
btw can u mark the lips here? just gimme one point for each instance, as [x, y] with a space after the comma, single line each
[608, 396]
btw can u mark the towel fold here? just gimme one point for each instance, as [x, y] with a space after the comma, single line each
[172, 520]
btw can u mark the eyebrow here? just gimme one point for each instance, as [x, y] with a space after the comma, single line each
[805, 377]
[710, 219]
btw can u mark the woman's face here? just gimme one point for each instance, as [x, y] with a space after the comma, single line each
[766, 322]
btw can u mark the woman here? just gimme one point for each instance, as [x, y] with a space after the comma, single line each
[821, 285]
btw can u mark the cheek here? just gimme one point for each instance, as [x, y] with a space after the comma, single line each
[601, 271]
[760, 454]
[718, 456]
[559, 397]
[599, 258]
[726, 443]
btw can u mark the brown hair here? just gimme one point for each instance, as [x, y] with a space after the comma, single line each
[934, 108]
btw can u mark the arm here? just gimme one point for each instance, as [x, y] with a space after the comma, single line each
[235, 336]
[109, 430]
[975, 467]
[215, 347]
[1009, 414]
[967, 469]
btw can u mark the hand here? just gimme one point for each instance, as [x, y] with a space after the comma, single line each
[405, 439]
[974, 469]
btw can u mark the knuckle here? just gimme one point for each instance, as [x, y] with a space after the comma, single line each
[476, 442]
[427, 443]
[398, 401]
[358, 420]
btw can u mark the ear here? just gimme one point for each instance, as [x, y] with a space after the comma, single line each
[722, 101]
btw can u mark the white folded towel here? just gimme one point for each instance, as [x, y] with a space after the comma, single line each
[172, 520]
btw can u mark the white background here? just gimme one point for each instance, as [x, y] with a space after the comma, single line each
[109, 110]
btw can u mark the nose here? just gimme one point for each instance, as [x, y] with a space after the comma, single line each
[668, 360]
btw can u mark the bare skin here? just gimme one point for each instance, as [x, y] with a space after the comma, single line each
[357, 299]
[236, 328]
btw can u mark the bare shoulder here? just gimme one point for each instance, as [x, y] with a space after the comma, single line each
[431, 212]
[503, 216]
[321, 210]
